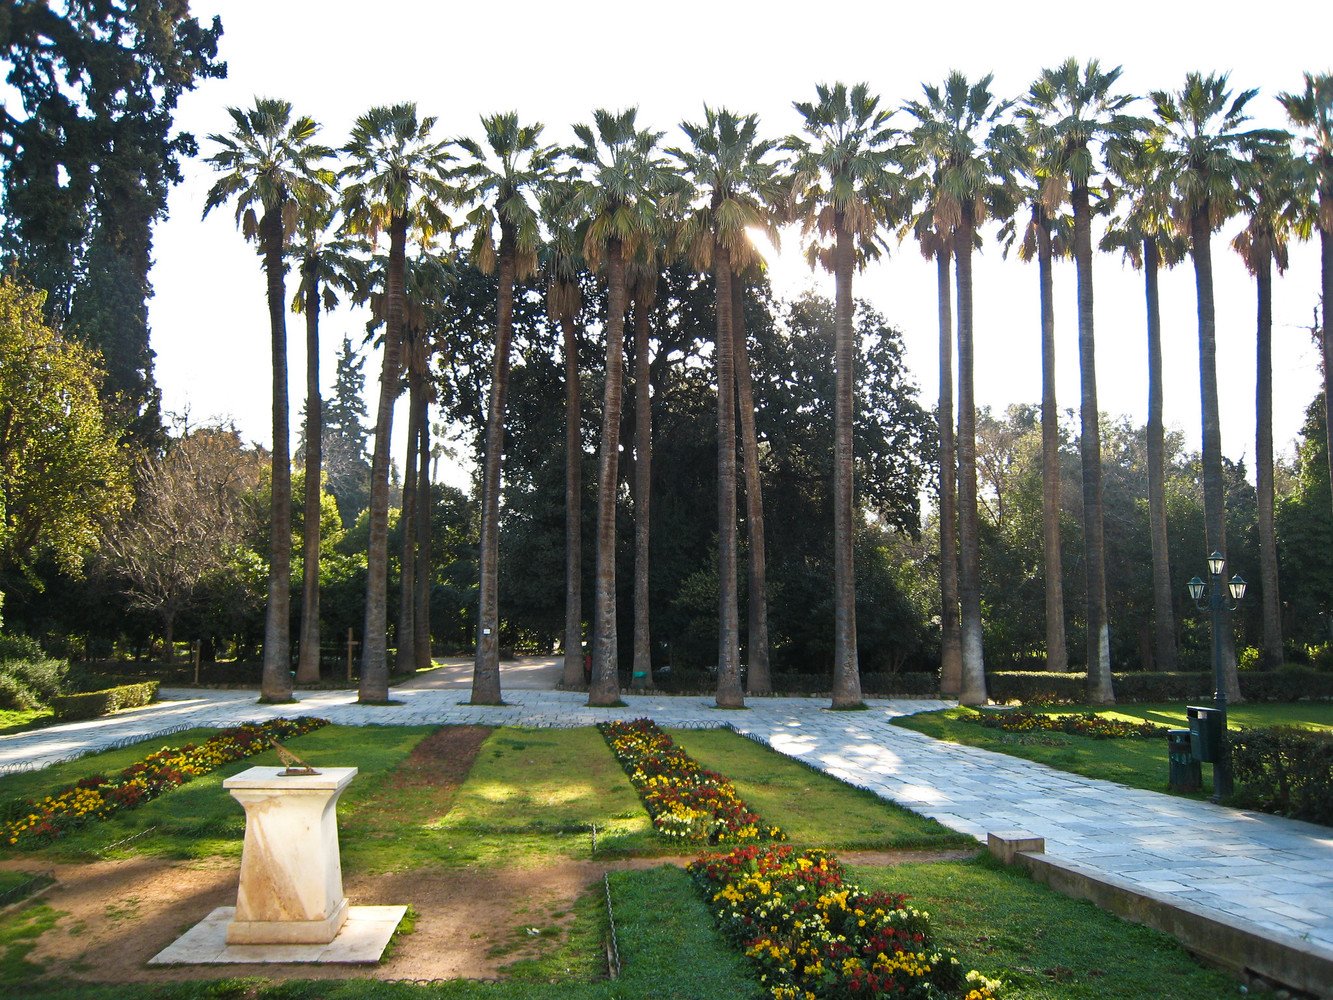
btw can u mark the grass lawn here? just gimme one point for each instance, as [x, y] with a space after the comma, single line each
[1045, 946]
[801, 800]
[16, 720]
[1137, 762]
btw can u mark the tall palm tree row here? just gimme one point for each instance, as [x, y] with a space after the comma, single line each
[270, 166]
[503, 177]
[733, 172]
[844, 189]
[643, 294]
[969, 151]
[1210, 159]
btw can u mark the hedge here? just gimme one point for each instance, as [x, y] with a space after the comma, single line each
[905, 685]
[94, 703]
[1290, 684]
[1284, 770]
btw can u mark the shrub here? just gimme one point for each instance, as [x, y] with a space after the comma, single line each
[16, 695]
[1087, 724]
[95, 703]
[20, 647]
[904, 685]
[1287, 684]
[1285, 770]
[45, 677]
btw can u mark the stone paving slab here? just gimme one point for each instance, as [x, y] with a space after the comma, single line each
[1246, 868]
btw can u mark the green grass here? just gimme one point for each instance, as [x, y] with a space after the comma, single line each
[16, 720]
[18, 936]
[533, 795]
[1045, 946]
[804, 801]
[1136, 762]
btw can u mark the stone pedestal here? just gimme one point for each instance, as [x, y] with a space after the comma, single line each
[291, 873]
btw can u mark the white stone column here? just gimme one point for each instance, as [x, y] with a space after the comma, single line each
[291, 874]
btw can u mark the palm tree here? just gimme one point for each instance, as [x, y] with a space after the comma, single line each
[730, 167]
[1312, 112]
[968, 150]
[398, 182]
[564, 302]
[642, 277]
[1210, 159]
[1143, 232]
[502, 180]
[269, 163]
[327, 266]
[1069, 110]
[1274, 203]
[1046, 237]
[843, 190]
[613, 198]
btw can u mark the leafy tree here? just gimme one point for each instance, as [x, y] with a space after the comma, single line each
[502, 179]
[61, 473]
[397, 176]
[844, 190]
[88, 162]
[346, 461]
[269, 162]
[971, 152]
[1211, 157]
[731, 169]
[1069, 110]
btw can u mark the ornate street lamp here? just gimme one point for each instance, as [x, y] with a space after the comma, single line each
[1217, 599]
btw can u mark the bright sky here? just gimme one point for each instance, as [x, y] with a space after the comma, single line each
[556, 62]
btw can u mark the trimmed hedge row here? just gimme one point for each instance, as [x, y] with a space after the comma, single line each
[92, 704]
[1031, 687]
[1284, 770]
[905, 685]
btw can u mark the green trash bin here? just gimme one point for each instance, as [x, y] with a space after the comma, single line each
[1186, 773]
[1205, 732]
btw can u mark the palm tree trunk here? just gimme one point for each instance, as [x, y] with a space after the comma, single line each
[1325, 305]
[973, 689]
[1214, 492]
[846, 672]
[422, 572]
[486, 668]
[642, 675]
[951, 640]
[1164, 620]
[1057, 655]
[374, 665]
[1100, 690]
[276, 684]
[758, 679]
[573, 673]
[405, 656]
[729, 693]
[1263, 464]
[605, 686]
[307, 667]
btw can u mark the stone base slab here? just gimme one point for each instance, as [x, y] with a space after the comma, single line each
[289, 931]
[362, 940]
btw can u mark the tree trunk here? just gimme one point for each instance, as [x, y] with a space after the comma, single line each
[1263, 464]
[307, 667]
[973, 689]
[486, 668]
[374, 665]
[758, 679]
[1164, 619]
[573, 674]
[1325, 305]
[1100, 691]
[605, 686]
[729, 693]
[169, 636]
[405, 635]
[276, 683]
[642, 675]
[1214, 491]
[1057, 655]
[846, 672]
[422, 573]
[951, 640]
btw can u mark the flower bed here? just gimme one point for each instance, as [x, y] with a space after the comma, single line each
[685, 800]
[98, 796]
[1086, 724]
[814, 935]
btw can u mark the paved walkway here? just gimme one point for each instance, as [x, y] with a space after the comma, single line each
[1247, 869]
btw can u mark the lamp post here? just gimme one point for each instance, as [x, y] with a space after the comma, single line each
[1217, 600]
